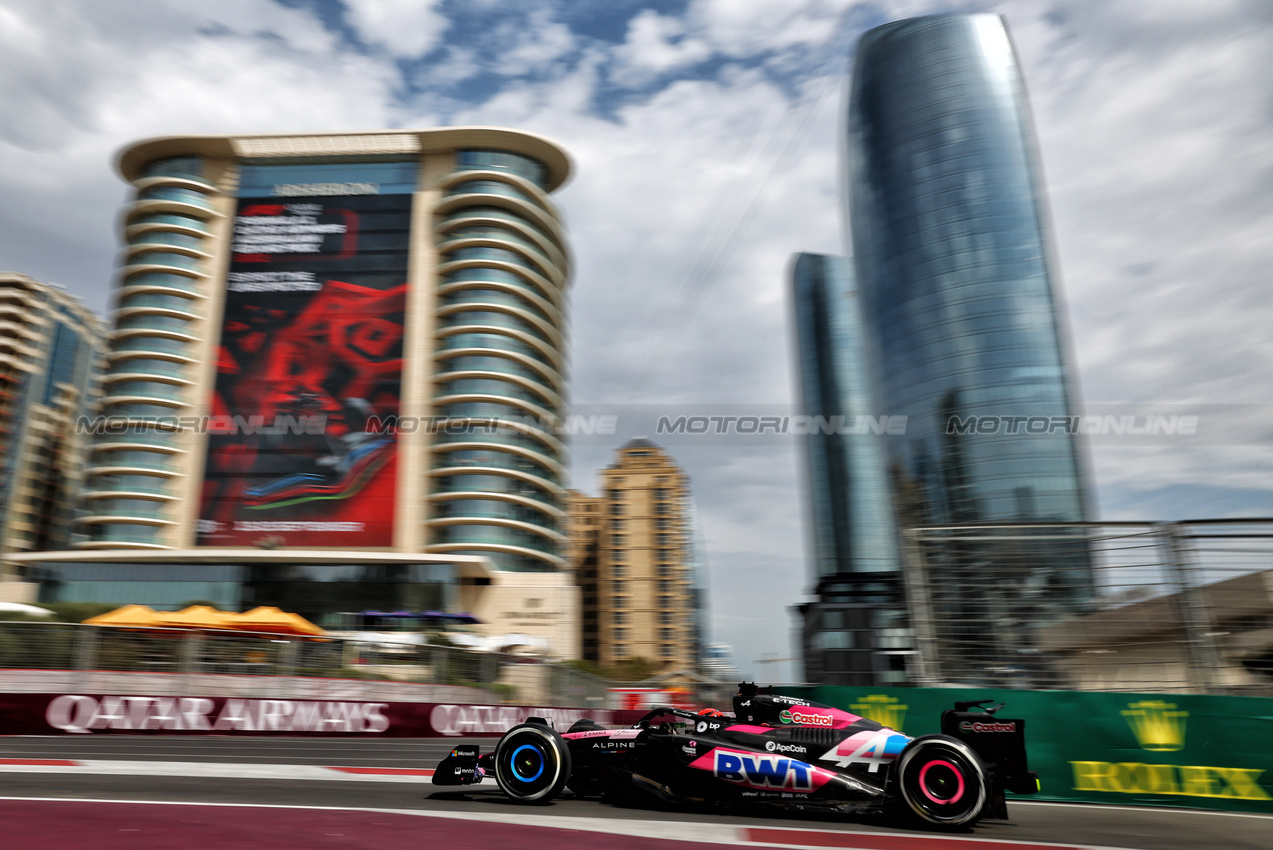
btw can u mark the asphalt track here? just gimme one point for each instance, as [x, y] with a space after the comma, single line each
[130, 792]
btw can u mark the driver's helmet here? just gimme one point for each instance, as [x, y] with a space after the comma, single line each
[711, 712]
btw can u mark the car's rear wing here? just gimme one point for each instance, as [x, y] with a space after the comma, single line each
[999, 742]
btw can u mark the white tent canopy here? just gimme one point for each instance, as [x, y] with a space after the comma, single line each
[21, 608]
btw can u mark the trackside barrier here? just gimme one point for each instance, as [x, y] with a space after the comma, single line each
[1207, 752]
[89, 714]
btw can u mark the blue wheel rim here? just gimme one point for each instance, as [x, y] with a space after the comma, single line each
[539, 757]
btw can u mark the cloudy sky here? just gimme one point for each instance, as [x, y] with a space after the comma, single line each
[704, 134]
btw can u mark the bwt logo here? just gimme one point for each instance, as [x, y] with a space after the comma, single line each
[757, 771]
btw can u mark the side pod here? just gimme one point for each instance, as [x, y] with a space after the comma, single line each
[460, 767]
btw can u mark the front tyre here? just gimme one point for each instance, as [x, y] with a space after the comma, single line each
[942, 781]
[532, 763]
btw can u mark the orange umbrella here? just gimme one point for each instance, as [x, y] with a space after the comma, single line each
[199, 617]
[130, 615]
[270, 619]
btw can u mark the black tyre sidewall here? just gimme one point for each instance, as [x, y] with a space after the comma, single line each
[556, 767]
[976, 793]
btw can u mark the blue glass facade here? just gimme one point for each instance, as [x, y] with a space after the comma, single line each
[955, 274]
[849, 633]
[853, 527]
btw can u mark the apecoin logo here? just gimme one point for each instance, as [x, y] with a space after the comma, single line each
[775, 747]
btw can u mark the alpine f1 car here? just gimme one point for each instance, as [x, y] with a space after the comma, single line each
[774, 751]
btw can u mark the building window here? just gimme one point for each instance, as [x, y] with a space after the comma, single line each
[665, 634]
[620, 634]
[665, 540]
[616, 569]
[620, 651]
[663, 523]
[616, 525]
[619, 617]
[665, 554]
[661, 508]
[665, 602]
[667, 650]
[665, 586]
[616, 508]
[661, 493]
[618, 554]
[618, 587]
[666, 617]
[615, 495]
[620, 602]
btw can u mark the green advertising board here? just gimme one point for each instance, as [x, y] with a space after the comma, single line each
[1209, 752]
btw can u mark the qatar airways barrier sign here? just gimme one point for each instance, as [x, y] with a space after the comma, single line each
[95, 714]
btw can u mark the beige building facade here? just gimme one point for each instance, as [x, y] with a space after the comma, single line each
[335, 343]
[631, 549]
[51, 348]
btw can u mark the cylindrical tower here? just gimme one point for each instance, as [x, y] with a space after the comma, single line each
[955, 275]
[148, 387]
[499, 465]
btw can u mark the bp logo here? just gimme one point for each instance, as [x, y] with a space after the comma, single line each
[884, 710]
[1158, 726]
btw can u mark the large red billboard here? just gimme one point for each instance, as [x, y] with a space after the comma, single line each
[311, 347]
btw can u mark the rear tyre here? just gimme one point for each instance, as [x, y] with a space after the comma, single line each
[942, 781]
[532, 763]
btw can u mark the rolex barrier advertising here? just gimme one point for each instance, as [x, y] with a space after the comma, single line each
[1211, 752]
[103, 714]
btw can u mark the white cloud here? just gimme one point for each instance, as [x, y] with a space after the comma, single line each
[536, 45]
[656, 44]
[406, 28]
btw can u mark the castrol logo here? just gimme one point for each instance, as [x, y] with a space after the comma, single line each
[804, 718]
[977, 726]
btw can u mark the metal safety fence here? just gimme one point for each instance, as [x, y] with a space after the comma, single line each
[1174, 607]
[167, 661]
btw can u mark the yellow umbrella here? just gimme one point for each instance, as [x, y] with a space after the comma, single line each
[199, 617]
[270, 619]
[130, 615]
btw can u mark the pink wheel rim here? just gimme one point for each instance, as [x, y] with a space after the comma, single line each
[923, 785]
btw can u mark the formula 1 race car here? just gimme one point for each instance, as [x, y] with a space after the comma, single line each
[775, 751]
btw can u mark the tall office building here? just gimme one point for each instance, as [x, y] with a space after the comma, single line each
[853, 634]
[958, 298]
[955, 273]
[632, 553]
[333, 344]
[51, 346]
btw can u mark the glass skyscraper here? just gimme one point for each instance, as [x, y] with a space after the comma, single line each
[955, 274]
[956, 289]
[849, 633]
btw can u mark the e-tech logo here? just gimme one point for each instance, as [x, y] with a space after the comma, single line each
[978, 726]
[804, 718]
[757, 771]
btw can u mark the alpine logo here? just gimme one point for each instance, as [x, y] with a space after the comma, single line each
[805, 719]
[757, 771]
[977, 726]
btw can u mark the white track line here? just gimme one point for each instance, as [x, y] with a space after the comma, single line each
[705, 833]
